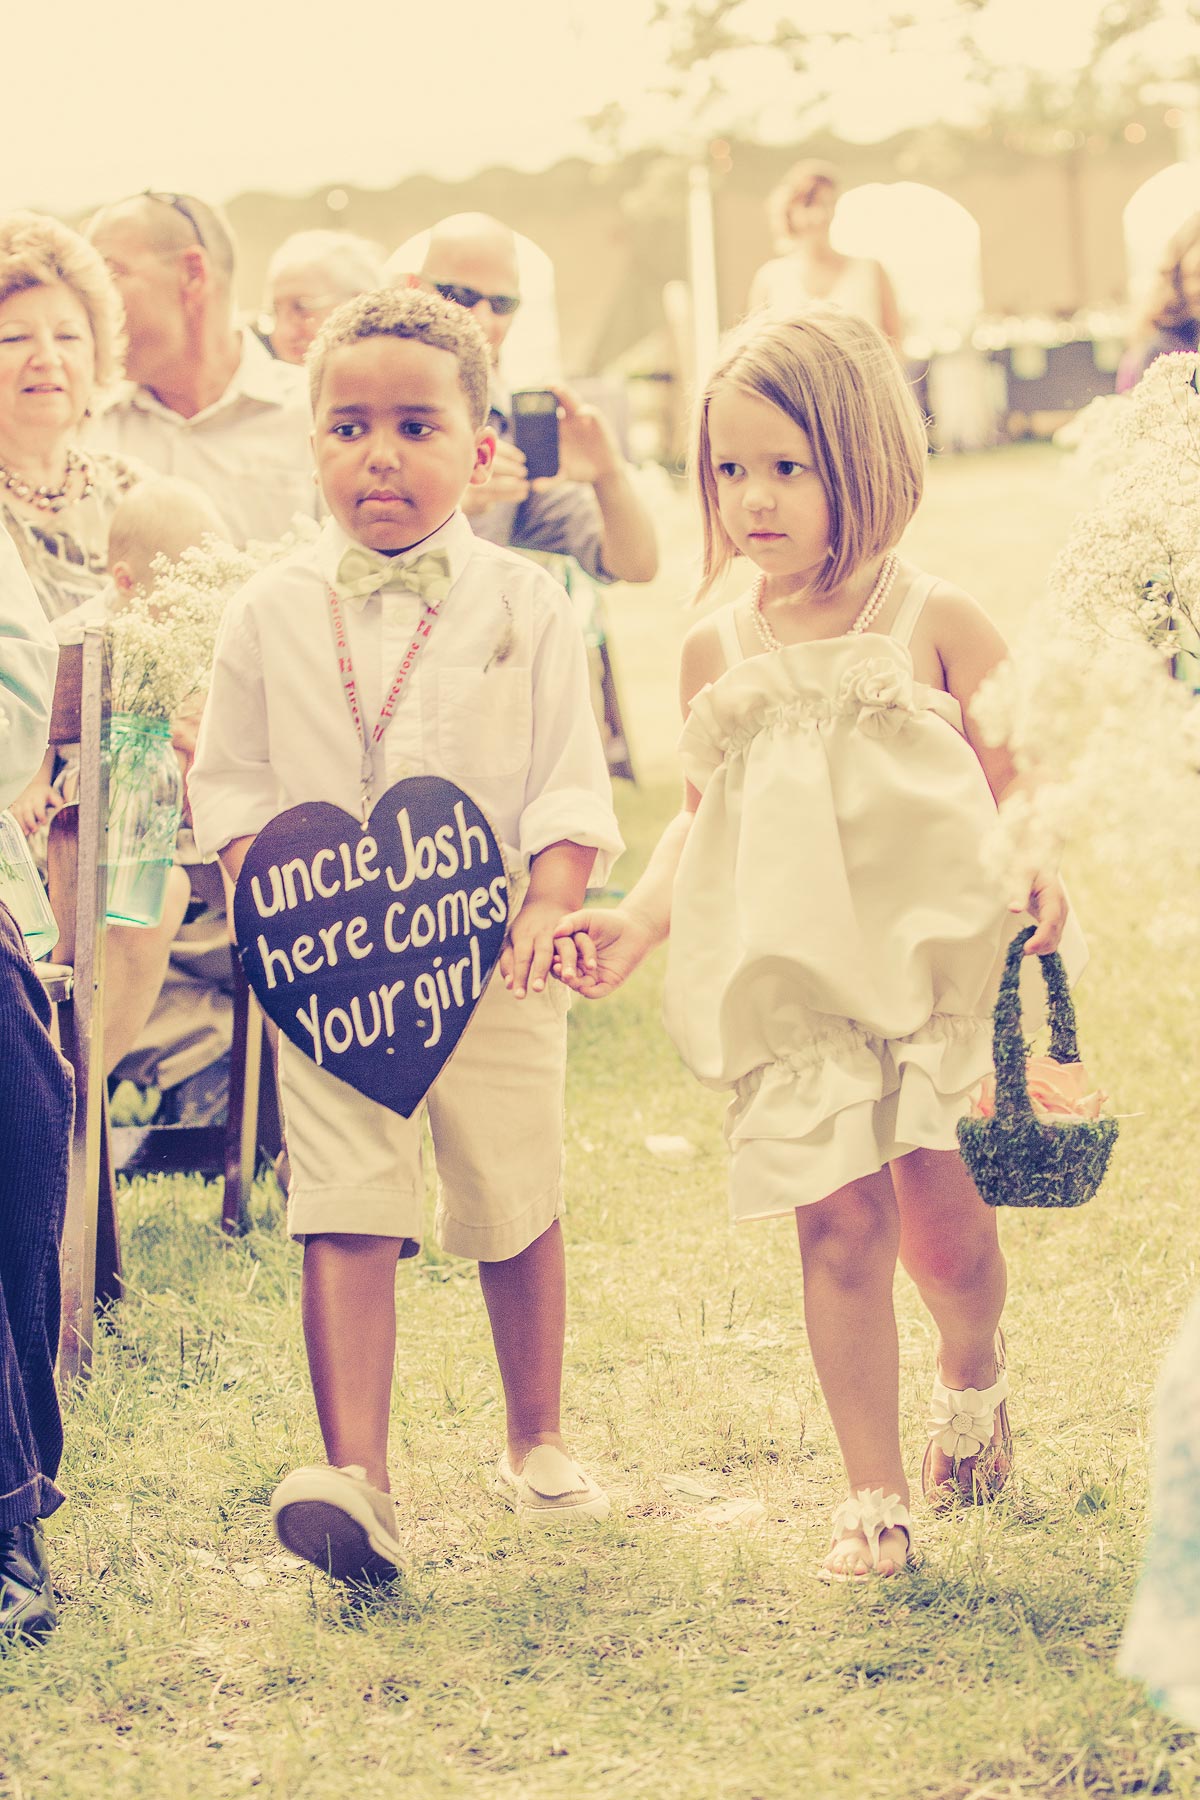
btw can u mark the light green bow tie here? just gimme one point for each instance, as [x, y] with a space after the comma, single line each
[364, 572]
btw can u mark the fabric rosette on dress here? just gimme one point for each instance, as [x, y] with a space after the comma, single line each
[878, 696]
[837, 937]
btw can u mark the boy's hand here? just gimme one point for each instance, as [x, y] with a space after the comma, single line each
[32, 808]
[597, 948]
[529, 948]
[1048, 904]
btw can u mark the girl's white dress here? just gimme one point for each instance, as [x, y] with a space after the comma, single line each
[836, 934]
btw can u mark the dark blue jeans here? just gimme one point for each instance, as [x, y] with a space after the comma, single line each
[36, 1104]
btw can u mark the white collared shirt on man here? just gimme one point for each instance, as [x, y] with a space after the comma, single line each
[498, 700]
[249, 450]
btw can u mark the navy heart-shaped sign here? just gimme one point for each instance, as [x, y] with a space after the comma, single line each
[371, 949]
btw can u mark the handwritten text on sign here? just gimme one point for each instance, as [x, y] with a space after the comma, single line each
[370, 949]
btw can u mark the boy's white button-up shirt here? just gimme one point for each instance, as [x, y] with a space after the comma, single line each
[515, 730]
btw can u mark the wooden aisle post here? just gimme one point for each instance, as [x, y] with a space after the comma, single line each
[89, 1145]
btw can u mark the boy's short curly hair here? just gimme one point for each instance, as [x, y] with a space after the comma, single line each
[37, 251]
[408, 312]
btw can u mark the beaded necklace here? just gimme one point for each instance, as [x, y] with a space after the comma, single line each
[47, 499]
[870, 610]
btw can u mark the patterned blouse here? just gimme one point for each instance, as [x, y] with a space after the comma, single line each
[66, 553]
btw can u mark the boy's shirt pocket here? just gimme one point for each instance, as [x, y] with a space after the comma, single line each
[484, 722]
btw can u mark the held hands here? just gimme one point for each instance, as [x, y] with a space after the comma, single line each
[529, 948]
[35, 806]
[1048, 905]
[597, 948]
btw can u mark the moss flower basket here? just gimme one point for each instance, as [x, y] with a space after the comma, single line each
[1014, 1157]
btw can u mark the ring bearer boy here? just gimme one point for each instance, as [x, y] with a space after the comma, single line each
[474, 654]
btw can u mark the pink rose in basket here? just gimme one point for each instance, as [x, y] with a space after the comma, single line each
[1058, 1092]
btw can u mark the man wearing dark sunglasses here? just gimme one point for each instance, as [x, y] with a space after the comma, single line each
[204, 399]
[589, 510]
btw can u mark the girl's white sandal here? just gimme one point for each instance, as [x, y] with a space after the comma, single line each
[962, 1425]
[869, 1512]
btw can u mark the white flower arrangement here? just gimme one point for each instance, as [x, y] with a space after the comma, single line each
[161, 641]
[1104, 739]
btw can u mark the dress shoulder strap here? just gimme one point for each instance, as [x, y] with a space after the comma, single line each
[912, 606]
[727, 632]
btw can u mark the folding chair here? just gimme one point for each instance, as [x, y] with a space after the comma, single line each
[232, 1149]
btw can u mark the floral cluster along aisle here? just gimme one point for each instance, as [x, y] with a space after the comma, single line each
[1101, 707]
[161, 647]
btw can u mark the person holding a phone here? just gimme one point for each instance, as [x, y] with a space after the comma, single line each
[559, 481]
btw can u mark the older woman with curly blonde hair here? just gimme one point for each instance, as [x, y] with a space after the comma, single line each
[61, 340]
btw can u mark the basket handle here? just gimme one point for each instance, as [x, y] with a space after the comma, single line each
[1012, 1090]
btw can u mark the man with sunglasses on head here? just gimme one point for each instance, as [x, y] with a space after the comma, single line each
[204, 400]
[590, 510]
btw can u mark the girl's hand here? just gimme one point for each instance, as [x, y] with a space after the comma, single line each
[1048, 904]
[597, 948]
[34, 806]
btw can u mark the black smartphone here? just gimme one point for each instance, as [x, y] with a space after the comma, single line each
[535, 430]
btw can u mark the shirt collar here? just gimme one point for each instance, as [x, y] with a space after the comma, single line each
[258, 376]
[455, 537]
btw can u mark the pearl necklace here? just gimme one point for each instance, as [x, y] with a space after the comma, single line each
[47, 499]
[871, 608]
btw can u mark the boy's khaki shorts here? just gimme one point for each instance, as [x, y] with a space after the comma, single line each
[496, 1117]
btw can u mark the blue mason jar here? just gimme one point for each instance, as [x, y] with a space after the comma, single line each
[145, 801]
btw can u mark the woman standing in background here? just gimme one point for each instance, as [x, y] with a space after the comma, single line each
[808, 270]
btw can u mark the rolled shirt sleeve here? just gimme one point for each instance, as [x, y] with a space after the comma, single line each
[232, 788]
[28, 662]
[568, 791]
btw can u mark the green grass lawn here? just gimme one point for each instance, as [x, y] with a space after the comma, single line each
[664, 1654]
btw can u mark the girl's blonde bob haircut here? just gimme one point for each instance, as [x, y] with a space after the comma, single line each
[37, 251]
[838, 379]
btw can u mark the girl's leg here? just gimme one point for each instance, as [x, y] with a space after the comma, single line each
[527, 1305]
[950, 1246]
[348, 1303]
[848, 1248]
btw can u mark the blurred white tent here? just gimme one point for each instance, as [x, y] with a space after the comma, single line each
[532, 353]
[1158, 208]
[929, 245]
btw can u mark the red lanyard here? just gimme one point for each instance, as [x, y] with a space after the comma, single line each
[341, 644]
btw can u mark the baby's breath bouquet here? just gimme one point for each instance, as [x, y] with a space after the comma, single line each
[1131, 567]
[161, 642]
[1108, 742]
